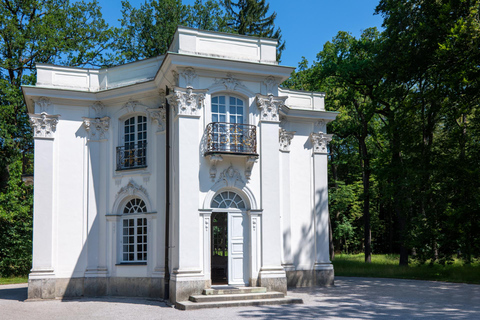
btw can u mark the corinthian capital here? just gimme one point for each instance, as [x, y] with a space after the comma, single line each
[285, 138]
[187, 101]
[320, 142]
[269, 107]
[44, 125]
[96, 127]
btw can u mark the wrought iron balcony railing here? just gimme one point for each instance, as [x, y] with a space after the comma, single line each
[233, 138]
[132, 156]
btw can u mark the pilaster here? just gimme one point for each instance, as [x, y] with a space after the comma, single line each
[44, 128]
[272, 274]
[285, 139]
[320, 180]
[187, 269]
[97, 129]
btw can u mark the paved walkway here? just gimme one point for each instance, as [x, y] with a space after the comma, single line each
[350, 298]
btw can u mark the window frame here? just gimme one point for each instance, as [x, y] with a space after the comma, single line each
[228, 107]
[135, 216]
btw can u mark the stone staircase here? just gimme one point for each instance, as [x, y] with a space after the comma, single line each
[226, 296]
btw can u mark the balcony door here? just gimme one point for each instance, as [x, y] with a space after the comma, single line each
[229, 114]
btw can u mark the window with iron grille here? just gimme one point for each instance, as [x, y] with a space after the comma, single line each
[134, 232]
[133, 153]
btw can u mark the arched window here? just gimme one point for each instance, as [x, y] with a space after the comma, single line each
[134, 233]
[133, 153]
[228, 199]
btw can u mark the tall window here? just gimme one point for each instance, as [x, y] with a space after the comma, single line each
[227, 109]
[134, 235]
[133, 154]
[228, 128]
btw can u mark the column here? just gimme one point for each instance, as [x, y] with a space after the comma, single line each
[41, 279]
[272, 274]
[323, 265]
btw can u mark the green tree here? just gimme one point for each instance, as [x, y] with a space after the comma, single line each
[148, 30]
[34, 31]
[249, 17]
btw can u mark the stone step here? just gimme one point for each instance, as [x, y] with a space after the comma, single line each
[236, 297]
[189, 305]
[233, 290]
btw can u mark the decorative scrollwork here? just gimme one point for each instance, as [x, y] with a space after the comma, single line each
[285, 138]
[44, 125]
[269, 107]
[187, 101]
[96, 127]
[131, 157]
[236, 138]
[320, 142]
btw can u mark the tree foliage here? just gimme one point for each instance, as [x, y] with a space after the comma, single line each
[249, 17]
[147, 31]
[409, 102]
[34, 31]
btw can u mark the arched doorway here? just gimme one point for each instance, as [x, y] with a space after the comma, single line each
[229, 261]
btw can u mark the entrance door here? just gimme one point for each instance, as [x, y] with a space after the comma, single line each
[236, 242]
[228, 237]
[219, 241]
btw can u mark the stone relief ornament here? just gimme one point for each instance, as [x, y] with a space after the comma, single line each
[43, 104]
[187, 101]
[98, 107]
[189, 75]
[96, 127]
[163, 97]
[320, 142]
[158, 115]
[132, 189]
[175, 78]
[130, 105]
[44, 125]
[230, 82]
[285, 138]
[269, 107]
[270, 83]
[230, 176]
[249, 166]
[214, 159]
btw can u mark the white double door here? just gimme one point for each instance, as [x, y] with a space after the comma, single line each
[237, 248]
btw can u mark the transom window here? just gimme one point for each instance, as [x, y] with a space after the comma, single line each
[228, 199]
[134, 235]
[227, 109]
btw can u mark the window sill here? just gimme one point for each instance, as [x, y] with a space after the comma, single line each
[131, 264]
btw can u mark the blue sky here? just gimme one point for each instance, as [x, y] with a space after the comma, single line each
[306, 24]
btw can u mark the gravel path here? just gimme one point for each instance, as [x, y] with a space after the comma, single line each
[350, 298]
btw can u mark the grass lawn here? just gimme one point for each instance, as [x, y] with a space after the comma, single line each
[13, 280]
[386, 266]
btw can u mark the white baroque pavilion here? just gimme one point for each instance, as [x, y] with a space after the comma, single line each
[168, 176]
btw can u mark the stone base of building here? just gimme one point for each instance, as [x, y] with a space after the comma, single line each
[59, 288]
[273, 280]
[310, 278]
[182, 290]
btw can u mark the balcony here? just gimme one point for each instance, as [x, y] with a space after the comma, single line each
[132, 156]
[231, 138]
